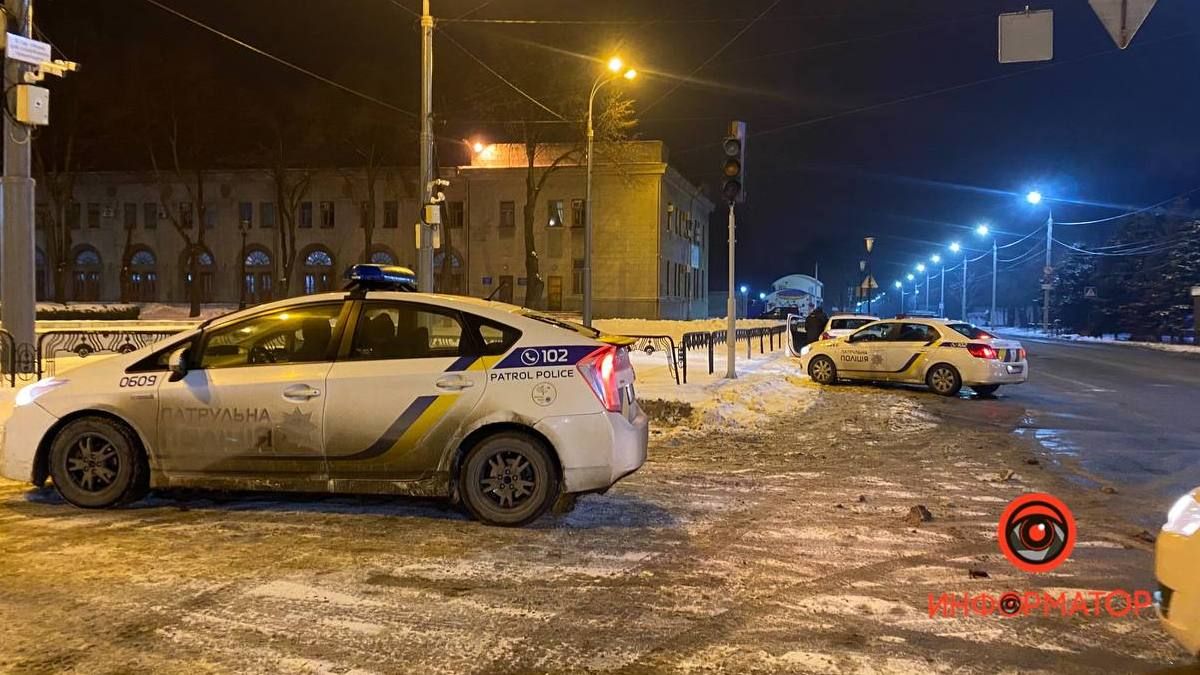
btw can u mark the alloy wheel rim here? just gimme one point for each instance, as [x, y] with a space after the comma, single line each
[942, 379]
[508, 479]
[821, 369]
[92, 463]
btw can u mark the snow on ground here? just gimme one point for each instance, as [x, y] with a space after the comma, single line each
[675, 329]
[1107, 339]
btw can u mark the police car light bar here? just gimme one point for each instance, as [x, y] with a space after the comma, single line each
[381, 278]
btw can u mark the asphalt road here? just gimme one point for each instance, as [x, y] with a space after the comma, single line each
[1116, 416]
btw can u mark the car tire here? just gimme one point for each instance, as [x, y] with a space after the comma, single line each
[944, 379]
[509, 479]
[822, 370]
[985, 389]
[96, 463]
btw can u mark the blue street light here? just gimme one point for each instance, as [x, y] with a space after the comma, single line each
[982, 230]
[910, 277]
[935, 259]
[1034, 197]
[743, 289]
[955, 247]
[762, 296]
[899, 285]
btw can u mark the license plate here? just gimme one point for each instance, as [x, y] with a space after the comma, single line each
[1015, 369]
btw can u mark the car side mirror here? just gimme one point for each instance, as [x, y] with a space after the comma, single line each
[177, 363]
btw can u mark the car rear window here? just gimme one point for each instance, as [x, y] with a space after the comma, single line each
[973, 332]
[561, 323]
[848, 324]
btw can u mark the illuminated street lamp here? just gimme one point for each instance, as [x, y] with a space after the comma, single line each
[921, 268]
[937, 259]
[616, 69]
[1035, 198]
[901, 287]
[983, 231]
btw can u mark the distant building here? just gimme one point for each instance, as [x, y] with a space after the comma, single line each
[796, 290]
[650, 239]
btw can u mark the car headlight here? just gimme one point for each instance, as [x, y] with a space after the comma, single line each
[1184, 517]
[805, 350]
[30, 393]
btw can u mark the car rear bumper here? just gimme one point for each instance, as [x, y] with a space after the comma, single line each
[597, 450]
[993, 371]
[21, 430]
[1175, 562]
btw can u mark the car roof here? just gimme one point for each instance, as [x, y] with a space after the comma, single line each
[852, 315]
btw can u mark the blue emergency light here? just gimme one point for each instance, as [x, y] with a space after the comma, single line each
[381, 278]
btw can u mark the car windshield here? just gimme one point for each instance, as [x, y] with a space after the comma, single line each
[849, 324]
[971, 331]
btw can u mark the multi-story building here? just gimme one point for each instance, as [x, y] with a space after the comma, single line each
[650, 236]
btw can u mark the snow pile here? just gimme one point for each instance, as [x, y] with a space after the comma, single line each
[1108, 339]
[675, 329]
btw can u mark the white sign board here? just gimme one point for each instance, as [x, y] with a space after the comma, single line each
[1027, 36]
[23, 49]
[1122, 18]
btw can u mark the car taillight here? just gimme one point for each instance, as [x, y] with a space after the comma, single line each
[981, 351]
[1021, 354]
[601, 369]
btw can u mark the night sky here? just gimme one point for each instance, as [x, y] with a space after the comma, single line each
[890, 118]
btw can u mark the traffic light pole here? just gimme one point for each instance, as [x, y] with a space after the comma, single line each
[16, 228]
[425, 250]
[731, 307]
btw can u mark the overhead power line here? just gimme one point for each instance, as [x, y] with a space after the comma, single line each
[1134, 212]
[281, 61]
[500, 77]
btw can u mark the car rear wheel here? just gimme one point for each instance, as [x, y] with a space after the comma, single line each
[985, 389]
[943, 379]
[509, 479]
[822, 370]
[96, 463]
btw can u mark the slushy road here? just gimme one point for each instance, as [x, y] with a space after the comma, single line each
[1119, 416]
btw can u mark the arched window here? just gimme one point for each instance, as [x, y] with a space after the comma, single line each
[85, 274]
[382, 256]
[448, 272]
[259, 275]
[318, 270]
[40, 274]
[142, 275]
[205, 269]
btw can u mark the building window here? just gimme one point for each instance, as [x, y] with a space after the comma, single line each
[577, 212]
[149, 215]
[131, 210]
[258, 280]
[328, 216]
[210, 216]
[266, 214]
[454, 214]
[391, 214]
[555, 216]
[318, 271]
[382, 256]
[305, 214]
[245, 214]
[93, 215]
[143, 274]
[577, 277]
[185, 214]
[86, 275]
[448, 272]
[205, 266]
[508, 214]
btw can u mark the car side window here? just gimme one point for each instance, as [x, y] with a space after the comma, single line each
[496, 338]
[874, 333]
[293, 335]
[395, 330]
[916, 332]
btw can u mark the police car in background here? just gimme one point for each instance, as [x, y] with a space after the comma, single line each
[374, 390]
[944, 355]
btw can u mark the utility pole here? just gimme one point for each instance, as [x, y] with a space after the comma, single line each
[870, 242]
[16, 228]
[731, 307]
[942, 294]
[992, 314]
[1048, 270]
[425, 252]
[964, 293]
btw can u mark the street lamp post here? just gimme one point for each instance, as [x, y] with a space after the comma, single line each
[1035, 198]
[615, 65]
[942, 293]
[921, 268]
[983, 230]
[244, 228]
[901, 287]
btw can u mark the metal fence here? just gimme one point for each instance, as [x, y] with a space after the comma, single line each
[651, 344]
[708, 340]
[18, 361]
[55, 344]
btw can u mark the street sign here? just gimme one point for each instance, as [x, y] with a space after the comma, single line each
[21, 48]
[1090, 292]
[1026, 36]
[1122, 18]
[1047, 287]
[869, 284]
[1047, 270]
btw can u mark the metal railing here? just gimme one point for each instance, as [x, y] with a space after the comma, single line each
[84, 343]
[710, 339]
[18, 361]
[650, 344]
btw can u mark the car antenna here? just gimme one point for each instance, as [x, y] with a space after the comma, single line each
[498, 289]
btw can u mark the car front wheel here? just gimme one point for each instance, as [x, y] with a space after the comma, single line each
[822, 370]
[95, 463]
[509, 479]
[943, 379]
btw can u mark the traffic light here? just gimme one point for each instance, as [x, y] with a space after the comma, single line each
[733, 185]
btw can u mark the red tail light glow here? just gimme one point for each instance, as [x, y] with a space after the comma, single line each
[601, 370]
[1021, 354]
[981, 351]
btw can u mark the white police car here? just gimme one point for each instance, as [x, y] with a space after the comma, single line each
[372, 390]
[945, 355]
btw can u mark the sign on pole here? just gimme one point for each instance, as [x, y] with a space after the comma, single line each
[1090, 292]
[1026, 36]
[868, 284]
[1122, 18]
[21, 48]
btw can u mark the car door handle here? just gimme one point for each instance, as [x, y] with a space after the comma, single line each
[300, 392]
[454, 382]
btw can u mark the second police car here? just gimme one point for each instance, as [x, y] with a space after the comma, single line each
[364, 391]
[944, 355]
